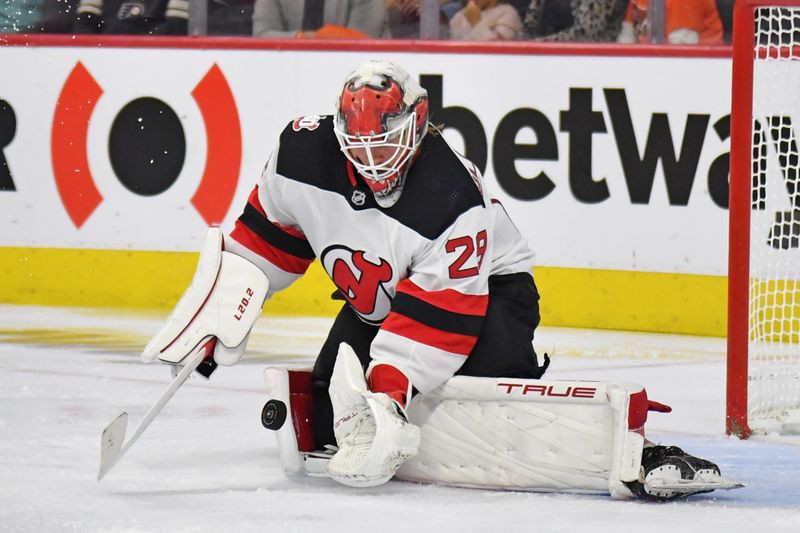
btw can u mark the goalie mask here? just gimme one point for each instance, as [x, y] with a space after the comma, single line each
[381, 117]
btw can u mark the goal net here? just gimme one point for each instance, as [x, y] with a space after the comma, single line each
[764, 267]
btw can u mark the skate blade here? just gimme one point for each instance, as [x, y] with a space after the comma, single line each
[315, 464]
[691, 485]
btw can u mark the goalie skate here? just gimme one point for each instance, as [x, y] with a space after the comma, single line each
[667, 473]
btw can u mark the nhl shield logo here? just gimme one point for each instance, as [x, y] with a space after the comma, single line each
[358, 198]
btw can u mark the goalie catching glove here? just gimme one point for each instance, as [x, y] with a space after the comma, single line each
[220, 306]
[371, 428]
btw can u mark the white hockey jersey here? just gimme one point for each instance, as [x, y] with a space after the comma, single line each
[420, 268]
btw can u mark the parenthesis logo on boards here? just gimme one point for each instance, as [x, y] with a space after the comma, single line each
[133, 151]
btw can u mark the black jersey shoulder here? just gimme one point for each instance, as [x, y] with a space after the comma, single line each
[438, 190]
[309, 153]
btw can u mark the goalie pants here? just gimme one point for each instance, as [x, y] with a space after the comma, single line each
[504, 347]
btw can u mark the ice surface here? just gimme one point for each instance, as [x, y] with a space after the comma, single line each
[207, 465]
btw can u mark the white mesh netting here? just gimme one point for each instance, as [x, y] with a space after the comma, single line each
[774, 348]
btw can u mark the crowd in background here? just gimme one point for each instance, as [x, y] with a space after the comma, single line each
[625, 21]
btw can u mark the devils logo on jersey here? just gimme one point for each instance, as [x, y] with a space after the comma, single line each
[360, 280]
[309, 122]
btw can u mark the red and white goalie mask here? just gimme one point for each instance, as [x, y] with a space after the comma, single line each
[381, 118]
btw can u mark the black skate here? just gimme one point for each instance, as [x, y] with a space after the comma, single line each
[668, 473]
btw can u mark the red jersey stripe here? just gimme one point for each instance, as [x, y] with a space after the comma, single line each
[419, 332]
[276, 256]
[253, 201]
[447, 299]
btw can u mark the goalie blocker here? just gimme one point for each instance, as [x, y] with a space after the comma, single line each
[222, 303]
[504, 433]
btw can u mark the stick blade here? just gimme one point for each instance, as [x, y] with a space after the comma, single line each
[111, 444]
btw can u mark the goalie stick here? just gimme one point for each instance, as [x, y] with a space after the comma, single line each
[113, 436]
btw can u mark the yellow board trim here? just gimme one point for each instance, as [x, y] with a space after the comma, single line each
[687, 304]
[606, 299]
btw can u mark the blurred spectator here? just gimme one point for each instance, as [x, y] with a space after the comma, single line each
[403, 18]
[320, 18]
[685, 22]
[521, 6]
[57, 16]
[230, 17]
[150, 17]
[574, 20]
[19, 16]
[486, 20]
[725, 8]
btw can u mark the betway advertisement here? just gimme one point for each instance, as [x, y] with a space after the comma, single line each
[603, 162]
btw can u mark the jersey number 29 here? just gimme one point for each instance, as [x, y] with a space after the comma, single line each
[467, 246]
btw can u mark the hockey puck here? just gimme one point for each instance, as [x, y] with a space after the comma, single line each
[273, 415]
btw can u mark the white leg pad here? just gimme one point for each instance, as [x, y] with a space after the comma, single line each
[561, 436]
[501, 433]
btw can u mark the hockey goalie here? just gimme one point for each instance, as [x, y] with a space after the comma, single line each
[428, 371]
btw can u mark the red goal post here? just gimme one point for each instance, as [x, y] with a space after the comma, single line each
[763, 381]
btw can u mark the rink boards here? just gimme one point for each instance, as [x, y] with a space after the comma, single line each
[611, 162]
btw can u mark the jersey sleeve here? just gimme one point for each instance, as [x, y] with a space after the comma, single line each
[510, 250]
[438, 311]
[267, 235]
